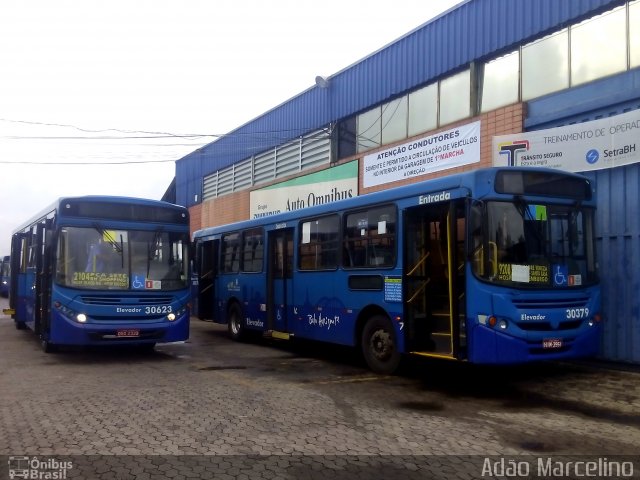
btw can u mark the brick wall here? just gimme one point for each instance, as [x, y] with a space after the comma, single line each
[226, 209]
[195, 218]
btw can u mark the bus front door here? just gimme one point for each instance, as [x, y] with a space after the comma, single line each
[434, 279]
[207, 265]
[44, 277]
[279, 281]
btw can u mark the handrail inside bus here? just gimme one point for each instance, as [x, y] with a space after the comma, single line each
[419, 290]
[420, 262]
[478, 257]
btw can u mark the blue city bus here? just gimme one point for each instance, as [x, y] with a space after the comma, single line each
[5, 275]
[100, 270]
[493, 266]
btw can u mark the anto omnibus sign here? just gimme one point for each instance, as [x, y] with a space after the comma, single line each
[441, 151]
[327, 186]
[596, 145]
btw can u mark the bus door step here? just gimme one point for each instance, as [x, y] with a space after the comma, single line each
[445, 356]
[278, 335]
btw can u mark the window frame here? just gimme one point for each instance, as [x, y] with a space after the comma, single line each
[393, 208]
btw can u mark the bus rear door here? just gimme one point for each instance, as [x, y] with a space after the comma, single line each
[207, 265]
[434, 279]
[279, 281]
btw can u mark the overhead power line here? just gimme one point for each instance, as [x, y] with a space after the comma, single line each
[35, 162]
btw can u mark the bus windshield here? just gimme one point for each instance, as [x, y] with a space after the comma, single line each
[533, 245]
[102, 259]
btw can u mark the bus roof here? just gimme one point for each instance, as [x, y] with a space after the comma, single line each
[55, 206]
[449, 182]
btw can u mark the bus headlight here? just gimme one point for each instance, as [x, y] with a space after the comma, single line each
[173, 316]
[70, 314]
[597, 318]
[502, 324]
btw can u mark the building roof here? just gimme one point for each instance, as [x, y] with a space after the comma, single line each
[473, 30]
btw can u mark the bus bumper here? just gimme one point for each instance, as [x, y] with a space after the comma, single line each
[67, 332]
[489, 346]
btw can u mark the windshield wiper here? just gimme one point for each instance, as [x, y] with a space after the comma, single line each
[106, 236]
[152, 248]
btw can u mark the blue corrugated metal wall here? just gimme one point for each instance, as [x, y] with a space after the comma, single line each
[472, 31]
[618, 219]
[618, 224]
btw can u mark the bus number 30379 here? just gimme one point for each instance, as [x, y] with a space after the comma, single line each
[577, 313]
[160, 309]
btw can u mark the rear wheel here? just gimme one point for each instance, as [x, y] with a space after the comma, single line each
[235, 326]
[379, 345]
[20, 325]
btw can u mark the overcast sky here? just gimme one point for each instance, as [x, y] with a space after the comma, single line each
[95, 84]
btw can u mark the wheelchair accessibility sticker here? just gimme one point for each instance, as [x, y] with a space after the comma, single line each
[138, 282]
[560, 275]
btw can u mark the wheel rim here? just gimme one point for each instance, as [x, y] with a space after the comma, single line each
[381, 345]
[235, 324]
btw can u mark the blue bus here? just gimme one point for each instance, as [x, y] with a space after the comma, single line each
[493, 266]
[5, 275]
[100, 270]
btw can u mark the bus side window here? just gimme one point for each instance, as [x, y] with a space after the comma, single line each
[370, 238]
[230, 253]
[252, 250]
[319, 243]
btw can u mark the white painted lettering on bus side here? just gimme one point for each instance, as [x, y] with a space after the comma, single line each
[323, 322]
[434, 197]
[254, 323]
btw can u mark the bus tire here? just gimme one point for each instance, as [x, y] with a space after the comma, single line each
[234, 323]
[379, 345]
[20, 325]
[47, 346]
[147, 347]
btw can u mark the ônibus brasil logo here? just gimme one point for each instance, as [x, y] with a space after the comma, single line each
[37, 468]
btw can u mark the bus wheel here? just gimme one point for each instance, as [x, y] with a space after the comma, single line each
[379, 346]
[47, 346]
[236, 329]
[147, 347]
[20, 325]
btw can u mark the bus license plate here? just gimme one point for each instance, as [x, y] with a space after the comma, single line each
[128, 333]
[552, 343]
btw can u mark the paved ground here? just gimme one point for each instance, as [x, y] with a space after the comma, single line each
[212, 408]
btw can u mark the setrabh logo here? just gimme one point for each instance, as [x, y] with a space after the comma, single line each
[36, 468]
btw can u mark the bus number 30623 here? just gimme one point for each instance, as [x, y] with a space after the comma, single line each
[160, 309]
[576, 313]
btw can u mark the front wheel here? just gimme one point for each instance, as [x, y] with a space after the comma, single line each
[47, 346]
[379, 345]
[235, 326]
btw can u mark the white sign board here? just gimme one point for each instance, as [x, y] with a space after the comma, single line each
[451, 148]
[606, 143]
[326, 186]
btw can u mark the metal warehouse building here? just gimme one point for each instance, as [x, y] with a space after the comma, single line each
[538, 82]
